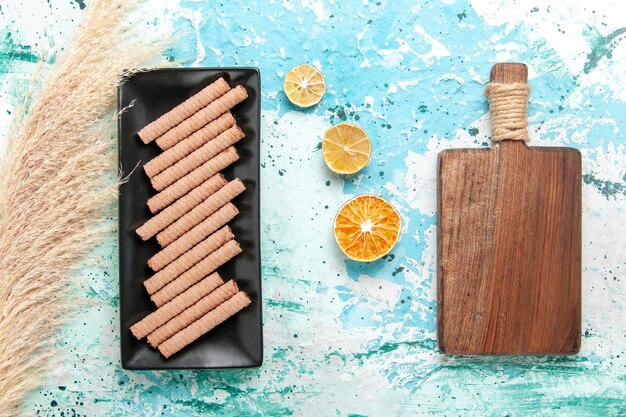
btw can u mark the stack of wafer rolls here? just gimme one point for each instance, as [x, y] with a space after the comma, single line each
[192, 206]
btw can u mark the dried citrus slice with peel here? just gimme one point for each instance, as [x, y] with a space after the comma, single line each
[367, 227]
[304, 85]
[346, 148]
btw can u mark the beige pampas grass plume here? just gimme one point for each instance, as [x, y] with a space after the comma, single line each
[57, 185]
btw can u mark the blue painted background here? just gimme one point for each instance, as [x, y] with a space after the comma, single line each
[344, 338]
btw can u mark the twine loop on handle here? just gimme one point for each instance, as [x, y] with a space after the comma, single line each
[509, 109]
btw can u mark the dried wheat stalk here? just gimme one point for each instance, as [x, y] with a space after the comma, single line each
[57, 185]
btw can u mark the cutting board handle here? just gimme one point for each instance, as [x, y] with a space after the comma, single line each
[509, 73]
[508, 93]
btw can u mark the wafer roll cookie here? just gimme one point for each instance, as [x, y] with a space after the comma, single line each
[205, 324]
[183, 110]
[179, 304]
[211, 112]
[197, 158]
[188, 145]
[199, 270]
[193, 179]
[180, 207]
[189, 259]
[193, 313]
[201, 212]
[195, 235]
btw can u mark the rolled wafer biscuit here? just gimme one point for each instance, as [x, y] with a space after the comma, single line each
[188, 145]
[205, 324]
[180, 207]
[196, 272]
[179, 304]
[183, 110]
[195, 235]
[193, 313]
[200, 212]
[197, 158]
[189, 259]
[193, 179]
[201, 118]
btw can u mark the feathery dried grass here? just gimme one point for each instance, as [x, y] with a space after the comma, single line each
[57, 185]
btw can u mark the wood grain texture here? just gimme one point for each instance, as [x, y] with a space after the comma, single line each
[508, 73]
[509, 247]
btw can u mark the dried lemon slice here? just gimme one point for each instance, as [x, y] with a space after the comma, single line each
[367, 227]
[304, 85]
[346, 148]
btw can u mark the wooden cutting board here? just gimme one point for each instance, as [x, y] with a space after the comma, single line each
[509, 246]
